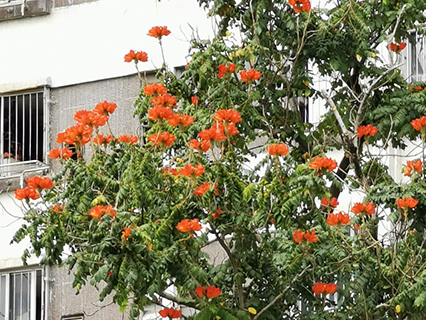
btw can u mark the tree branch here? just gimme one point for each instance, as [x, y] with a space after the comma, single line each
[278, 297]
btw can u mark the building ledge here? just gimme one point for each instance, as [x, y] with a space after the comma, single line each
[14, 174]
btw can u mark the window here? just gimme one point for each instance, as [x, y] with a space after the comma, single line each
[23, 127]
[414, 69]
[21, 295]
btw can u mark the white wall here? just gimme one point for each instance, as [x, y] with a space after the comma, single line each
[10, 221]
[87, 42]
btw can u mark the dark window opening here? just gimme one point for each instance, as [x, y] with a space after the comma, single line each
[23, 119]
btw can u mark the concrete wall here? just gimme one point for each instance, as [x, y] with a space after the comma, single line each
[87, 41]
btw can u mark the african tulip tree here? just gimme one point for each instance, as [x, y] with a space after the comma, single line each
[139, 213]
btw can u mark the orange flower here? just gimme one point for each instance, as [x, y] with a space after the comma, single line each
[105, 108]
[39, 183]
[327, 288]
[170, 313]
[26, 193]
[339, 218]
[101, 139]
[319, 162]
[368, 208]
[188, 170]
[417, 165]
[126, 233]
[98, 211]
[63, 153]
[223, 69]
[213, 292]
[78, 134]
[130, 56]
[200, 291]
[227, 115]
[326, 202]
[201, 190]
[187, 225]
[197, 145]
[155, 88]
[311, 237]
[216, 132]
[367, 130]
[298, 236]
[209, 292]
[194, 100]
[165, 137]
[160, 112]
[419, 124]
[396, 47]
[406, 203]
[60, 138]
[300, 5]
[180, 118]
[165, 100]
[252, 74]
[128, 139]
[90, 118]
[277, 148]
[158, 32]
[217, 214]
[59, 208]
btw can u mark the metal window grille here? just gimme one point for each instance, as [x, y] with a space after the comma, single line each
[414, 69]
[23, 127]
[21, 295]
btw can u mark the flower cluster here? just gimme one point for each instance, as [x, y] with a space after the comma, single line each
[63, 153]
[164, 100]
[158, 32]
[188, 225]
[209, 292]
[406, 203]
[338, 219]
[201, 190]
[299, 236]
[300, 5]
[136, 56]
[367, 131]
[171, 313]
[176, 119]
[251, 75]
[165, 137]
[187, 171]
[419, 124]
[101, 139]
[153, 89]
[319, 163]
[277, 148]
[396, 47]
[75, 135]
[99, 211]
[128, 138]
[368, 208]
[34, 186]
[223, 69]
[230, 115]
[325, 202]
[327, 288]
[416, 165]
[105, 108]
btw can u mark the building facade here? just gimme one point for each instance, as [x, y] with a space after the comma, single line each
[62, 56]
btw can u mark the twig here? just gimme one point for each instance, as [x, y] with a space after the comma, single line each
[278, 297]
